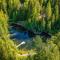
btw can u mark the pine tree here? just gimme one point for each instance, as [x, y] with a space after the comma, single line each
[33, 10]
[49, 16]
[57, 11]
[8, 50]
[3, 5]
[41, 2]
[53, 22]
[3, 25]
[48, 51]
[49, 10]
[12, 8]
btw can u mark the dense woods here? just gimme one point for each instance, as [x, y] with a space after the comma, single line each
[39, 16]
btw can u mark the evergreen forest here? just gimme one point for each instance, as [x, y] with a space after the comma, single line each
[29, 29]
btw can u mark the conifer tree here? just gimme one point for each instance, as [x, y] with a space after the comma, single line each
[3, 25]
[3, 5]
[53, 22]
[49, 10]
[12, 8]
[56, 11]
[8, 50]
[48, 51]
[49, 16]
[41, 2]
[32, 9]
